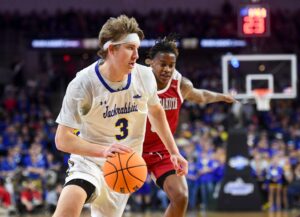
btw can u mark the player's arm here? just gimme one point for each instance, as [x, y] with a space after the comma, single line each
[67, 141]
[201, 96]
[158, 120]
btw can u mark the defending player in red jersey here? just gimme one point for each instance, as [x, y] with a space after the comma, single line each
[173, 89]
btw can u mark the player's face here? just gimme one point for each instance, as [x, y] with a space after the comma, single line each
[163, 66]
[126, 56]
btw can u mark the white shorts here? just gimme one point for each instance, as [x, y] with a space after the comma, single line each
[104, 202]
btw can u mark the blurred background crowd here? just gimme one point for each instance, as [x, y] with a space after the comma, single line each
[32, 171]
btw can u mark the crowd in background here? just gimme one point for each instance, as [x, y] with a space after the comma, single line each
[285, 25]
[31, 168]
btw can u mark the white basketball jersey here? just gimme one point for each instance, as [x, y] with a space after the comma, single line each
[105, 116]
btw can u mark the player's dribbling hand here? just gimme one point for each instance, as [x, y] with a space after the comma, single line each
[116, 148]
[180, 164]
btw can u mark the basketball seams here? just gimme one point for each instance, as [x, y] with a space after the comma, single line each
[133, 178]
[129, 168]
[113, 172]
[129, 158]
[107, 174]
[112, 165]
[123, 172]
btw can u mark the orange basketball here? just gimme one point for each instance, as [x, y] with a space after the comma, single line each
[125, 173]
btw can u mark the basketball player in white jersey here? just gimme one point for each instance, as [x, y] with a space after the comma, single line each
[108, 102]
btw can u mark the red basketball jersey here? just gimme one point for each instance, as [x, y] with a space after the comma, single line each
[171, 100]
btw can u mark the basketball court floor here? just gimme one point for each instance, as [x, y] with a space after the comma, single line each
[221, 214]
[295, 213]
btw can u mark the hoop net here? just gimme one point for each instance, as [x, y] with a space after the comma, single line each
[262, 98]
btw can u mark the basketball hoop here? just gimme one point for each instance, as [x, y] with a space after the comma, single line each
[262, 97]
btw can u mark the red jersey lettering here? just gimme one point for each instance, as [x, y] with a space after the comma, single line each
[171, 100]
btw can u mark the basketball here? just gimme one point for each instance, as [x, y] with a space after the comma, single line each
[125, 173]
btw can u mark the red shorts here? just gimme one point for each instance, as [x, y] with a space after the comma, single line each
[159, 165]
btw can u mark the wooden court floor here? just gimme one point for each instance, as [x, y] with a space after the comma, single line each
[222, 214]
[294, 213]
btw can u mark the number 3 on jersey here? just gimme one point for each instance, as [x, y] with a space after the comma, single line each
[123, 124]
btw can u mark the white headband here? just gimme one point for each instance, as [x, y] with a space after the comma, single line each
[132, 37]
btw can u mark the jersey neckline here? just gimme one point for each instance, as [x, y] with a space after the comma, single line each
[101, 79]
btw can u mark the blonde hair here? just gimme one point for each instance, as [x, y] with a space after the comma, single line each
[115, 28]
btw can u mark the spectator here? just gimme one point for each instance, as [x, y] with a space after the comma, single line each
[5, 198]
[30, 198]
[293, 191]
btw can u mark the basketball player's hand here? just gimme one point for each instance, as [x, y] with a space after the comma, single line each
[228, 98]
[116, 148]
[180, 164]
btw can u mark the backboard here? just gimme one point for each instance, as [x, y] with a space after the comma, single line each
[242, 74]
